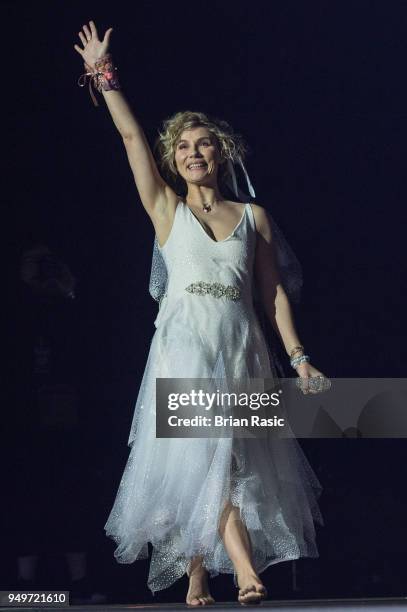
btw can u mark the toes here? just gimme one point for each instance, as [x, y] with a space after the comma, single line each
[205, 600]
[201, 601]
[247, 589]
[248, 592]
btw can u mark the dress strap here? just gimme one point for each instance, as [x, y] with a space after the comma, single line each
[251, 216]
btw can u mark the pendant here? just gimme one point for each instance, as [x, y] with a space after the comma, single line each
[207, 207]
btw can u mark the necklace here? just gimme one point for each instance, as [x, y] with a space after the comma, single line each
[206, 207]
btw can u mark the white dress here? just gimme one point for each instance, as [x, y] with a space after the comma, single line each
[173, 491]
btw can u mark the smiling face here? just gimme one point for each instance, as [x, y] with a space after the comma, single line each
[197, 156]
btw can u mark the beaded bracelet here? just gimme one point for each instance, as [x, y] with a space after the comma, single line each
[103, 77]
[298, 360]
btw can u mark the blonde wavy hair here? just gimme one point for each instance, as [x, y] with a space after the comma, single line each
[230, 144]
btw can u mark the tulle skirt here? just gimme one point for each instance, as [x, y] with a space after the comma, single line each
[173, 490]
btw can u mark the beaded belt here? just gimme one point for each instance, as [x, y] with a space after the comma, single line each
[216, 289]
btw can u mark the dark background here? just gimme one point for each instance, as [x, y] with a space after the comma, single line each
[318, 90]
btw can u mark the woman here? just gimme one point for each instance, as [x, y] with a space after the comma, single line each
[206, 505]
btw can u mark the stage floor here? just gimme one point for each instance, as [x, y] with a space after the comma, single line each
[350, 605]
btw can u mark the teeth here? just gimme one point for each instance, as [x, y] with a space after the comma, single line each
[197, 166]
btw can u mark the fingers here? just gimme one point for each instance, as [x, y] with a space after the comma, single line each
[83, 39]
[304, 385]
[86, 35]
[93, 29]
[106, 38]
[87, 32]
[307, 383]
[90, 33]
[78, 49]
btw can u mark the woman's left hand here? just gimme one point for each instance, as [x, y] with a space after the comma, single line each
[306, 371]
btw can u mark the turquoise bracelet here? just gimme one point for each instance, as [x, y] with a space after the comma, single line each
[297, 360]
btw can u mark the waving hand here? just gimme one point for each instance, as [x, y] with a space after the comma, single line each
[93, 48]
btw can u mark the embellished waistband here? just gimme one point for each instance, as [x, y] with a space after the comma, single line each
[218, 290]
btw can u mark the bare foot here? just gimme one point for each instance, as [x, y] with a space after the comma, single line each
[198, 591]
[251, 589]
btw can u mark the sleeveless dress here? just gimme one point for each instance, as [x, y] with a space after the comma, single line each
[173, 490]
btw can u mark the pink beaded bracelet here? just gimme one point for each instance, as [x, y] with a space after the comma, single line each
[103, 77]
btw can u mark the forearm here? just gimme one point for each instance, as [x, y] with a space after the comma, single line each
[141, 159]
[281, 317]
[122, 115]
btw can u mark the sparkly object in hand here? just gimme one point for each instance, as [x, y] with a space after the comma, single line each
[315, 384]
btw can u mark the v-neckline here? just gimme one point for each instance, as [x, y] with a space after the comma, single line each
[206, 233]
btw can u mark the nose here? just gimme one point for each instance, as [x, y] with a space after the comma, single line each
[196, 155]
[197, 152]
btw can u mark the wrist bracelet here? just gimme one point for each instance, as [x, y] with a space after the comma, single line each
[103, 77]
[296, 349]
[107, 73]
[298, 360]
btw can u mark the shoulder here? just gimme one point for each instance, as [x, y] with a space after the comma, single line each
[262, 221]
[258, 211]
[261, 218]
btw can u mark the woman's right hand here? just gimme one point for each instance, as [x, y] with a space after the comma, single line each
[93, 48]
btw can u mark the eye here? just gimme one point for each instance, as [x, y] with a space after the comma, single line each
[182, 146]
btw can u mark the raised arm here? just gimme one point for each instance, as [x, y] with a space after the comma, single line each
[155, 193]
